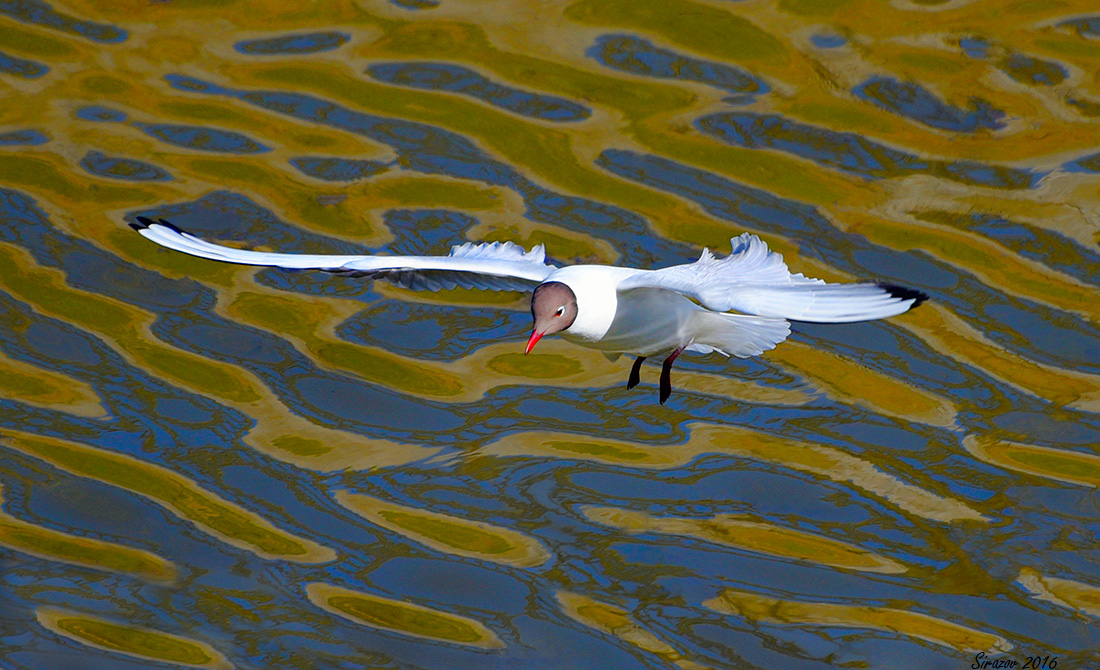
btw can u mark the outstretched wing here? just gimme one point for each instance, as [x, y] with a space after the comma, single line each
[755, 280]
[496, 266]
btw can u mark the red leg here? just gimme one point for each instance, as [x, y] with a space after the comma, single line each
[666, 375]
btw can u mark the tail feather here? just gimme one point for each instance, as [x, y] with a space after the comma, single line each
[737, 335]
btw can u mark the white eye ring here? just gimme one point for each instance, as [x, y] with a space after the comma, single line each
[560, 312]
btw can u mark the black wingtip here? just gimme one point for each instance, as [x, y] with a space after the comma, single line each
[144, 222]
[905, 293]
[169, 225]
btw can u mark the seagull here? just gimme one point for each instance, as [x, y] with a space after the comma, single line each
[740, 305]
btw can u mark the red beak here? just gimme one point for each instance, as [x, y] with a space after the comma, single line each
[535, 337]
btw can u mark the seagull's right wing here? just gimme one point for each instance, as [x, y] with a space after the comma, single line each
[755, 280]
[496, 266]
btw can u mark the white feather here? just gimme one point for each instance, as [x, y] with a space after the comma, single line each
[754, 280]
[495, 266]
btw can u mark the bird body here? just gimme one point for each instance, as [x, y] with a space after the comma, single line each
[739, 305]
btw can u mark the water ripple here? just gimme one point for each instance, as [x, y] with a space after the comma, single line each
[853, 153]
[296, 44]
[635, 55]
[459, 79]
[913, 101]
[39, 13]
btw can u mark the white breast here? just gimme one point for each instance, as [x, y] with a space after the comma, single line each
[596, 288]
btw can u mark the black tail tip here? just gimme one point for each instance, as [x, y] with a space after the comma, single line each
[905, 293]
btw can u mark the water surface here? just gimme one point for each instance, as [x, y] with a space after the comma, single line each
[212, 466]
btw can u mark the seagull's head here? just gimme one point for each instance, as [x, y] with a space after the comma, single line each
[554, 308]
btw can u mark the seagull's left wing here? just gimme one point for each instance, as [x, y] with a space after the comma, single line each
[496, 266]
[755, 280]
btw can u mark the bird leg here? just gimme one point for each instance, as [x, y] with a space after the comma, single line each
[635, 373]
[666, 375]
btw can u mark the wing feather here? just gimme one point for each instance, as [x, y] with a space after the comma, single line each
[755, 280]
[496, 266]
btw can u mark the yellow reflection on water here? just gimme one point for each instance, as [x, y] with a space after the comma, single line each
[449, 534]
[994, 263]
[46, 388]
[757, 608]
[124, 325]
[398, 616]
[616, 621]
[713, 439]
[740, 532]
[83, 551]
[958, 339]
[209, 512]
[862, 386]
[130, 640]
[1060, 464]
[1062, 592]
[295, 439]
[279, 432]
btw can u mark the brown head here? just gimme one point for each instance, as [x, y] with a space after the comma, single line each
[554, 308]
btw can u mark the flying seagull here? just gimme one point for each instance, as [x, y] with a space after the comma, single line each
[739, 305]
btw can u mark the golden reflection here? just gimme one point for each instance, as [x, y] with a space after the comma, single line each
[209, 512]
[46, 388]
[612, 620]
[1061, 464]
[713, 439]
[295, 439]
[130, 640]
[1062, 592]
[449, 534]
[86, 552]
[37, 43]
[702, 28]
[127, 327]
[956, 338]
[864, 387]
[46, 173]
[992, 262]
[925, 46]
[398, 616]
[740, 532]
[757, 608]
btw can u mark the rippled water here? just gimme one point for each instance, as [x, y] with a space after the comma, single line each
[212, 466]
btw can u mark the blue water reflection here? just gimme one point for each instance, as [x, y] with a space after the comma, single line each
[852, 152]
[459, 79]
[338, 169]
[918, 103]
[127, 169]
[21, 67]
[296, 44]
[41, 14]
[28, 137]
[628, 53]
